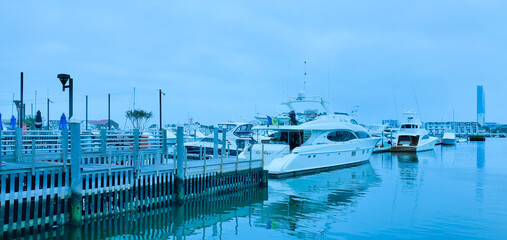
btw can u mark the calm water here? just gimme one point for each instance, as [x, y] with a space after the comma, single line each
[454, 192]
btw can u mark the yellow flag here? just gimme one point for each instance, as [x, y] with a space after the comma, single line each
[275, 121]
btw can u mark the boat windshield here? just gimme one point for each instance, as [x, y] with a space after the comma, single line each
[244, 131]
[227, 127]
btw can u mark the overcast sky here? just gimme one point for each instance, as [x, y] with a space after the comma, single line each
[219, 61]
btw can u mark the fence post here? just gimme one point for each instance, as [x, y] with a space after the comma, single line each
[224, 149]
[179, 181]
[0, 149]
[185, 158]
[224, 143]
[164, 141]
[204, 164]
[103, 142]
[65, 146]
[33, 156]
[76, 185]
[136, 148]
[19, 144]
[215, 143]
[237, 158]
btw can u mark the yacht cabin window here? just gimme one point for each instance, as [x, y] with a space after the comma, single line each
[361, 134]
[244, 131]
[227, 127]
[354, 122]
[409, 126]
[341, 136]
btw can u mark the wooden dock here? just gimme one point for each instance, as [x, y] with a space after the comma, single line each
[43, 183]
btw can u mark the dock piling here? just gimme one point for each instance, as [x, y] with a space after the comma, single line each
[136, 149]
[19, 144]
[33, 156]
[179, 181]
[215, 143]
[75, 173]
[103, 142]
[65, 146]
[164, 141]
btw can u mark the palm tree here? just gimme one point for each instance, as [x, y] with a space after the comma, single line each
[139, 118]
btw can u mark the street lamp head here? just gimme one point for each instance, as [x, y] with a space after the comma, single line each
[63, 79]
[18, 103]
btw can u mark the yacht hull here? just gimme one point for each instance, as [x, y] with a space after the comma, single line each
[450, 141]
[315, 170]
[320, 158]
[419, 148]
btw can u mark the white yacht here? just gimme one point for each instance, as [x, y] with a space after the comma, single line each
[304, 109]
[449, 138]
[238, 136]
[387, 137]
[413, 137]
[328, 142]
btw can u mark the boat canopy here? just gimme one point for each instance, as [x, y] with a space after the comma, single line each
[322, 124]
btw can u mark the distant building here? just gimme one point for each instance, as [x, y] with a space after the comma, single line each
[481, 106]
[438, 128]
[101, 124]
[502, 128]
[390, 123]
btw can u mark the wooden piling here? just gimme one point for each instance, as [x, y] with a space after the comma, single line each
[76, 185]
[179, 181]
[19, 144]
[215, 143]
[65, 146]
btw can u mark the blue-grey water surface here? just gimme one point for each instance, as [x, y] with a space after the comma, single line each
[453, 192]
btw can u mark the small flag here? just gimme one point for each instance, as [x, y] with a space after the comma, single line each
[275, 121]
[270, 120]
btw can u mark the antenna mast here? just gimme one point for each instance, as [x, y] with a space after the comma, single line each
[417, 103]
[304, 79]
[395, 105]
[12, 106]
[134, 99]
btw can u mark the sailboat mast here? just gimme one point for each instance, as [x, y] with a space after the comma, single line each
[304, 78]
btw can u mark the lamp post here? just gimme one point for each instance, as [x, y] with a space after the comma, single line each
[22, 105]
[86, 123]
[49, 101]
[18, 109]
[63, 79]
[109, 111]
[160, 93]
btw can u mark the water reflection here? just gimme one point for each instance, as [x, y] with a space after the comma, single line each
[295, 204]
[409, 171]
[481, 162]
[481, 155]
[202, 217]
[408, 165]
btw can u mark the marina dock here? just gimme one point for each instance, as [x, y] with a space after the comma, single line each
[54, 178]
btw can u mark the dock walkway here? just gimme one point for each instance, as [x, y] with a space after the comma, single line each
[44, 183]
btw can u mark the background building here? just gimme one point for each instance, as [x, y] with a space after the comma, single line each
[481, 106]
[391, 123]
[439, 128]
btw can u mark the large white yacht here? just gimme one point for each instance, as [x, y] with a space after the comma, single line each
[413, 137]
[238, 136]
[304, 108]
[325, 143]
